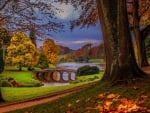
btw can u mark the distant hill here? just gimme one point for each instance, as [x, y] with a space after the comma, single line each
[64, 50]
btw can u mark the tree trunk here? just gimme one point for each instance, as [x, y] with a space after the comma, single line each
[120, 55]
[137, 33]
[107, 46]
[20, 67]
[145, 32]
[1, 98]
[144, 56]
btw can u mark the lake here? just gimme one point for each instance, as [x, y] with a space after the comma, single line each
[71, 65]
[76, 65]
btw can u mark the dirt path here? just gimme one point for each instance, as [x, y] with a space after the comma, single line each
[29, 103]
[40, 100]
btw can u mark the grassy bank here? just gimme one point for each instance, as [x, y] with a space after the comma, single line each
[25, 77]
[97, 60]
[132, 97]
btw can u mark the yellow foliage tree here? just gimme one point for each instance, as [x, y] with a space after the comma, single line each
[21, 51]
[51, 50]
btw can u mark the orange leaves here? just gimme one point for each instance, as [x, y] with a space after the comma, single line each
[127, 105]
[77, 101]
[101, 95]
[69, 105]
[50, 50]
[109, 103]
[112, 103]
[21, 51]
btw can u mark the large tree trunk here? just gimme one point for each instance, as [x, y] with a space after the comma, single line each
[137, 33]
[122, 63]
[107, 46]
[139, 37]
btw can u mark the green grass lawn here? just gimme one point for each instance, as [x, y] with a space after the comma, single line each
[91, 100]
[25, 77]
[97, 60]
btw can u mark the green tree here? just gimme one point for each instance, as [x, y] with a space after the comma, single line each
[43, 62]
[21, 52]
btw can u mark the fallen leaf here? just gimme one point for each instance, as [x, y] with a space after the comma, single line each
[144, 96]
[69, 105]
[110, 96]
[135, 87]
[108, 102]
[102, 95]
[77, 101]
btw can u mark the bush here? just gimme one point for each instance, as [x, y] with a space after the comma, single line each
[5, 83]
[43, 62]
[87, 70]
[9, 82]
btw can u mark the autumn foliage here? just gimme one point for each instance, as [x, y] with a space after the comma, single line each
[21, 51]
[113, 103]
[51, 50]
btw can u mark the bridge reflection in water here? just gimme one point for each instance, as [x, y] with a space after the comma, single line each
[55, 75]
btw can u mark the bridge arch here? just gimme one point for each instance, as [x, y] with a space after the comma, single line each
[55, 75]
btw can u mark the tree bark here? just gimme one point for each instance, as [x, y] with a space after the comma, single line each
[1, 98]
[107, 46]
[145, 32]
[137, 33]
[122, 63]
[20, 67]
[139, 37]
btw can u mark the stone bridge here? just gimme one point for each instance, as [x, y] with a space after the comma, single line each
[55, 75]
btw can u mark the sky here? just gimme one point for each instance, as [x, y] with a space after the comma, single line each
[78, 37]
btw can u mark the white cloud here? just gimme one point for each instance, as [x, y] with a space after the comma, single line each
[79, 42]
[75, 44]
[85, 41]
[68, 11]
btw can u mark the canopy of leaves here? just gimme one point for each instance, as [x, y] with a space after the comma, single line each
[21, 51]
[89, 12]
[23, 15]
[51, 50]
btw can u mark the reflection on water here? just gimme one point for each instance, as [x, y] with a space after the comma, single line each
[54, 84]
[65, 76]
[72, 65]
[75, 65]
[73, 76]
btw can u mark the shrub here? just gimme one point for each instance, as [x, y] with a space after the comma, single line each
[87, 70]
[5, 83]
[43, 62]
